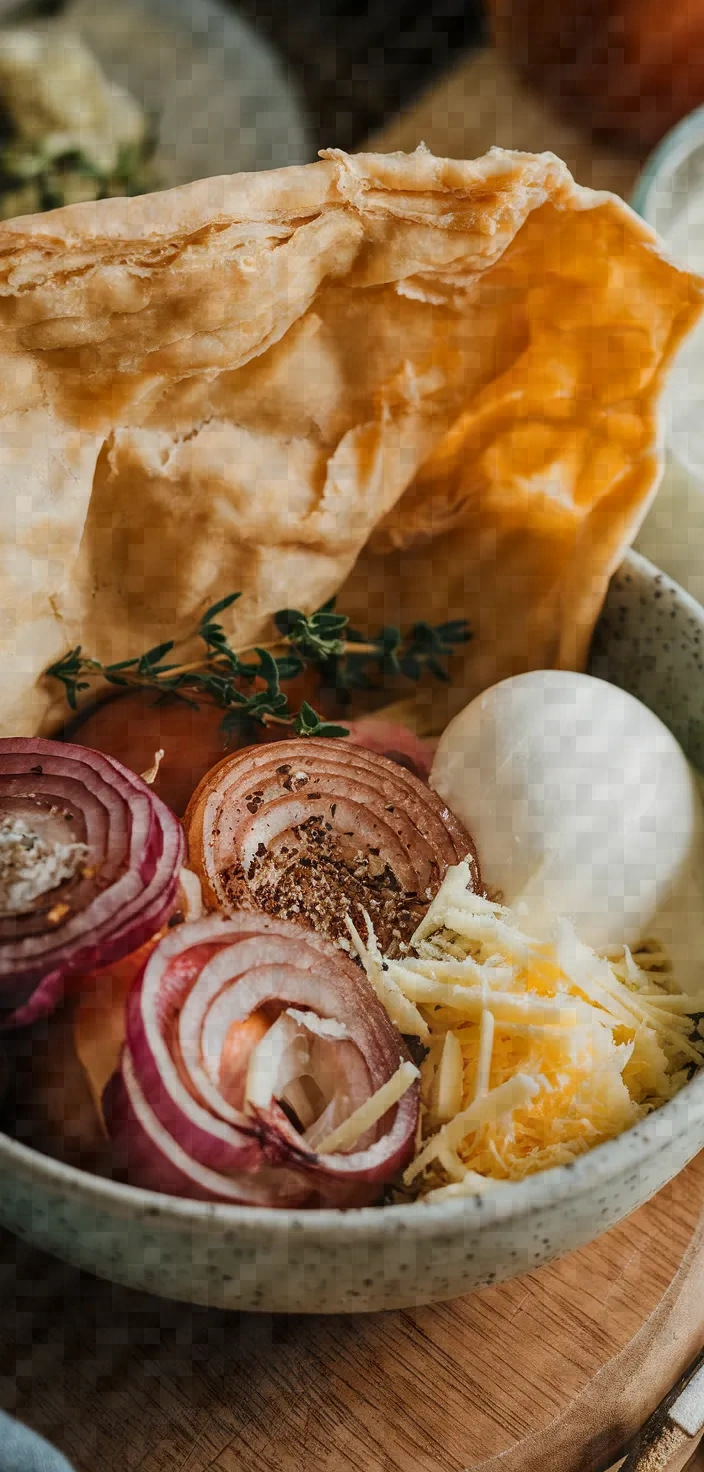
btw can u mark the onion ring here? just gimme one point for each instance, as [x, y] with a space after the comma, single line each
[313, 829]
[123, 889]
[238, 1028]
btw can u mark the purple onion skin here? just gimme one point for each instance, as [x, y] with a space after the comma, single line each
[138, 1158]
[134, 1155]
[32, 987]
[168, 1139]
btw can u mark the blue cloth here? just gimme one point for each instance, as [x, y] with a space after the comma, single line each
[21, 1450]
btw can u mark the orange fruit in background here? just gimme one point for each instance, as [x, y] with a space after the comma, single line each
[133, 726]
[624, 69]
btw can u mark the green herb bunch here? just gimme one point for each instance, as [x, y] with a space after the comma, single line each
[246, 683]
[32, 180]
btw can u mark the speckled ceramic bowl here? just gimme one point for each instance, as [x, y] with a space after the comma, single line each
[650, 641]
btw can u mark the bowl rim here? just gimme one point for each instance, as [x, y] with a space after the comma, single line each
[669, 153]
[513, 1201]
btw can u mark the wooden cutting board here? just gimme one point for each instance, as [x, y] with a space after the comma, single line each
[549, 1373]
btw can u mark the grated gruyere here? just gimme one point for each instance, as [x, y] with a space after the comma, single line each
[537, 1048]
[447, 1084]
[369, 1113]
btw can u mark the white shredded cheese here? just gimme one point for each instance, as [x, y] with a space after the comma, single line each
[538, 1048]
[487, 1029]
[447, 1084]
[371, 1111]
[152, 772]
[473, 1002]
[327, 1028]
[472, 1184]
[403, 1014]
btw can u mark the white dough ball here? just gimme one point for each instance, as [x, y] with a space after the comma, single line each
[579, 800]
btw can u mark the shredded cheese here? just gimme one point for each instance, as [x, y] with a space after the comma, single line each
[537, 1048]
[327, 1028]
[369, 1113]
[509, 1096]
[152, 772]
[487, 1030]
[400, 1009]
[447, 1084]
[471, 1184]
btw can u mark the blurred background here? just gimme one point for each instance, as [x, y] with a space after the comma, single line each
[357, 65]
[98, 97]
[114, 96]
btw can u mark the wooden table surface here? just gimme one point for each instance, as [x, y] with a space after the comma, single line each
[128, 1384]
[548, 1373]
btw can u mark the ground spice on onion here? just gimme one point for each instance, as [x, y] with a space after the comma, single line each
[314, 877]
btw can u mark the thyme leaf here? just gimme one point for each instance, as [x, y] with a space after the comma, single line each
[246, 683]
[319, 635]
[308, 723]
[219, 607]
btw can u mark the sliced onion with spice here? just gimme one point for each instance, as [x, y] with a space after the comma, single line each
[250, 1043]
[314, 829]
[89, 869]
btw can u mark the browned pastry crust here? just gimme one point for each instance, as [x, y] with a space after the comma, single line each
[442, 375]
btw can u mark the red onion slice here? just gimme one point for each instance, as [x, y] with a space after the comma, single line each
[155, 1160]
[395, 741]
[121, 894]
[320, 1042]
[313, 829]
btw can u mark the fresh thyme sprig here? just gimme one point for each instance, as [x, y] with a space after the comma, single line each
[224, 676]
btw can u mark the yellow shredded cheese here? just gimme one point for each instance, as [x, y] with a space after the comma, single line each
[538, 1048]
[509, 1096]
